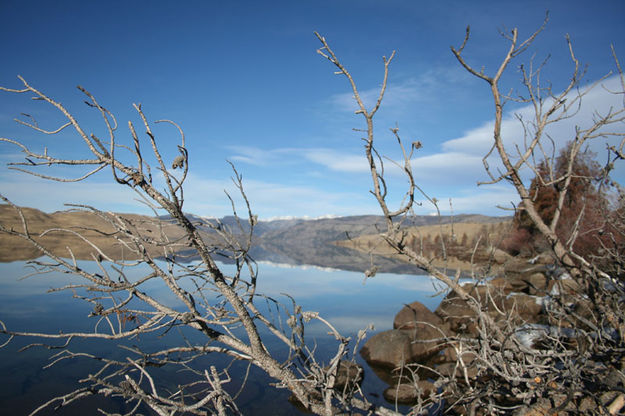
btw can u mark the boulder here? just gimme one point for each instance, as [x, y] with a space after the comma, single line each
[457, 314]
[416, 315]
[564, 287]
[460, 316]
[426, 341]
[500, 256]
[408, 393]
[452, 370]
[528, 308]
[531, 283]
[394, 348]
[507, 285]
[497, 300]
[388, 349]
[425, 370]
[536, 284]
[348, 375]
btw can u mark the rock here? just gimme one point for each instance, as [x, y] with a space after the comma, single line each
[520, 266]
[348, 372]
[457, 314]
[528, 308]
[394, 348]
[426, 341]
[419, 338]
[452, 370]
[387, 349]
[408, 393]
[585, 405]
[450, 355]
[564, 287]
[414, 315]
[508, 285]
[460, 316]
[531, 283]
[500, 256]
[497, 300]
[544, 258]
[537, 284]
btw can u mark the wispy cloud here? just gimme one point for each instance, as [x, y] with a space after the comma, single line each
[404, 94]
[262, 157]
[336, 160]
[450, 171]
[332, 159]
[461, 158]
[448, 167]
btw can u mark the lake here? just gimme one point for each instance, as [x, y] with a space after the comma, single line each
[341, 297]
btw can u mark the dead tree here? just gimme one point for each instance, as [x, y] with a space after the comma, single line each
[585, 334]
[592, 308]
[222, 308]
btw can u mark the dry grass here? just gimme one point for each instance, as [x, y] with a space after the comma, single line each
[59, 238]
[465, 244]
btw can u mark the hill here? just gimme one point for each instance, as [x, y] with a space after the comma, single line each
[342, 242]
[58, 233]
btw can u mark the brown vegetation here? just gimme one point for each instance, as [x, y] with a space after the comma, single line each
[456, 246]
[580, 216]
[65, 234]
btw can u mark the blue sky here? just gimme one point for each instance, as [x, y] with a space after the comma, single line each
[244, 81]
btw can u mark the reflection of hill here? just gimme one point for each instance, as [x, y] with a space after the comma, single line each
[327, 255]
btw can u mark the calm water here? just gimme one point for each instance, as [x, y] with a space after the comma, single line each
[340, 297]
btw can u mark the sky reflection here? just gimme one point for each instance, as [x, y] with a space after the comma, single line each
[341, 297]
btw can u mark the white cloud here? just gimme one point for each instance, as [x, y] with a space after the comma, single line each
[494, 200]
[447, 167]
[451, 172]
[597, 101]
[272, 199]
[262, 157]
[329, 158]
[336, 160]
[396, 95]
[484, 200]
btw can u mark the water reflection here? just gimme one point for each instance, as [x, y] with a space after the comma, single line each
[342, 297]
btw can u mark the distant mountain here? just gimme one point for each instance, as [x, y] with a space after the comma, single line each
[332, 228]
